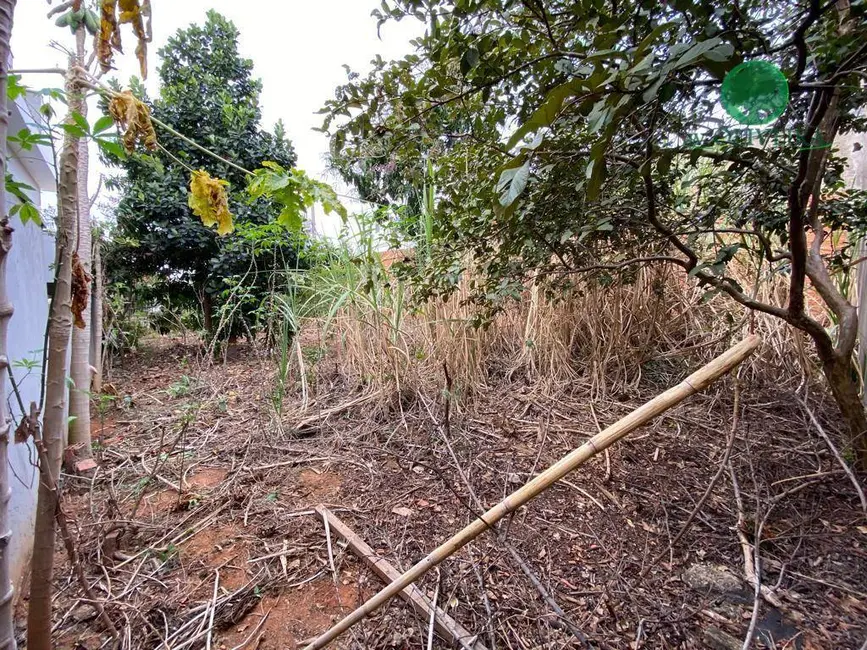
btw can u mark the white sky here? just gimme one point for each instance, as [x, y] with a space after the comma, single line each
[298, 49]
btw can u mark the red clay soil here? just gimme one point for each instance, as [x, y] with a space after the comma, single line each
[225, 528]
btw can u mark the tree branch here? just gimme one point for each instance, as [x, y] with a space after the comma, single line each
[797, 198]
[619, 265]
[675, 241]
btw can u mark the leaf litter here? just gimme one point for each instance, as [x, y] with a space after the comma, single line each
[248, 547]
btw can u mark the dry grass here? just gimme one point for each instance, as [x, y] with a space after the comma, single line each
[607, 338]
[369, 423]
[229, 488]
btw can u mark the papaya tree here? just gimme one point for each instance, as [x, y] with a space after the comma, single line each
[56, 373]
[598, 137]
[71, 290]
[7, 630]
[79, 360]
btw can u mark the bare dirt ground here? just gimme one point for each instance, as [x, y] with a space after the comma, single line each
[198, 529]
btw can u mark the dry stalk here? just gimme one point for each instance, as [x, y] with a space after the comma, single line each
[836, 452]
[62, 523]
[605, 338]
[695, 382]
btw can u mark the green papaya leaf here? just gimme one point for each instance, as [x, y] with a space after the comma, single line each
[103, 124]
[74, 130]
[111, 148]
[81, 121]
[291, 219]
[28, 212]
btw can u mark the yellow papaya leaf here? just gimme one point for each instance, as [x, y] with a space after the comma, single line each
[134, 117]
[129, 10]
[109, 34]
[210, 202]
[135, 12]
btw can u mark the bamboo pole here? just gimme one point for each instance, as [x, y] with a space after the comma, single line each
[697, 381]
[447, 627]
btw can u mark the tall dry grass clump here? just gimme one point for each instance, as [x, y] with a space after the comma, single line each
[355, 317]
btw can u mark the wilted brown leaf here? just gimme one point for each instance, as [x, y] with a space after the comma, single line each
[80, 291]
[134, 118]
[134, 12]
[109, 34]
[129, 10]
[146, 36]
[210, 202]
[25, 430]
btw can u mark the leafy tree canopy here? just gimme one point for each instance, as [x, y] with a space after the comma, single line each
[568, 135]
[588, 136]
[207, 92]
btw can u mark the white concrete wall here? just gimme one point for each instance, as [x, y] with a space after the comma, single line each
[854, 147]
[28, 271]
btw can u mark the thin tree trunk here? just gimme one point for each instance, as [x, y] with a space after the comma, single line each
[79, 366]
[96, 317]
[842, 377]
[7, 632]
[207, 311]
[54, 422]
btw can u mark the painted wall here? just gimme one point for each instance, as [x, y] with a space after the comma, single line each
[853, 146]
[28, 271]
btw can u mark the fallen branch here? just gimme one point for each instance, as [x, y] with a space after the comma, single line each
[547, 597]
[710, 486]
[601, 441]
[433, 612]
[753, 577]
[448, 628]
[287, 463]
[250, 636]
[213, 609]
[836, 452]
[330, 549]
[282, 553]
[308, 422]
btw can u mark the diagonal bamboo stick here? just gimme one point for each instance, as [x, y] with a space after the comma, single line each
[697, 381]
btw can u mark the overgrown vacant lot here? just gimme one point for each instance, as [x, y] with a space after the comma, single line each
[547, 317]
[203, 508]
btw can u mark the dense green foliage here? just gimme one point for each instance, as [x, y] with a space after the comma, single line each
[207, 93]
[584, 137]
[554, 125]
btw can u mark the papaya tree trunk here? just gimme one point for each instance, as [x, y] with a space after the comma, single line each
[79, 366]
[54, 421]
[7, 632]
[96, 317]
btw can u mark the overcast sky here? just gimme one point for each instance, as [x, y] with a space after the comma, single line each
[298, 49]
